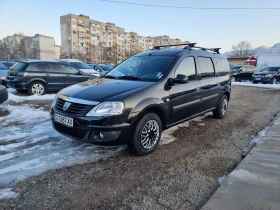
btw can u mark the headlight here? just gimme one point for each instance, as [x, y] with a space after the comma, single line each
[268, 75]
[109, 108]
[55, 99]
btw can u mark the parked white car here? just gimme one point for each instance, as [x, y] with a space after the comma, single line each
[81, 66]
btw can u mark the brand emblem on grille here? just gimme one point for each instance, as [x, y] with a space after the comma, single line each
[66, 106]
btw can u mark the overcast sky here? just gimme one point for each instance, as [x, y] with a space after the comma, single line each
[209, 28]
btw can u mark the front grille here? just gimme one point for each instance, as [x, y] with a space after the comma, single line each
[74, 109]
[73, 132]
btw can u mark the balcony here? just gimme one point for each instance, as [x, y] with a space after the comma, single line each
[81, 24]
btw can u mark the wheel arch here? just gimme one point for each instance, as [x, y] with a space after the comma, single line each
[37, 80]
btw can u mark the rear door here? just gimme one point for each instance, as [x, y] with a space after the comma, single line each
[210, 89]
[55, 79]
[72, 75]
[185, 98]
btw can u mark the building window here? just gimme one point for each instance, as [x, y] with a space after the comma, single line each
[109, 33]
[74, 32]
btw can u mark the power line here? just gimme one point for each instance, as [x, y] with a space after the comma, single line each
[194, 8]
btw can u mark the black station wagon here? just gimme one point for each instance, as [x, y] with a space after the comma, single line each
[144, 95]
[37, 77]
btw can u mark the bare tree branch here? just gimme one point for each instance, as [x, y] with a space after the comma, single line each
[242, 50]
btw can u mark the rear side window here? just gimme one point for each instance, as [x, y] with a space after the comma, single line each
[32, 67]
[19, 67]
[50, 67]
[222, 67]
[40, 67]
[206, 67]
[187, 67]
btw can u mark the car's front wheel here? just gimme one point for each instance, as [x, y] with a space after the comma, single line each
[221, 110]
[36, 88]
[146, 135]
[274, 80]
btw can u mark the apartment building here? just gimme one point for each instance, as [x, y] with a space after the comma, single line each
[13, 46]
[98, 42]
[30, 47]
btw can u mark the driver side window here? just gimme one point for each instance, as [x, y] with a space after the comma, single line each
[68, 69]
[187, 67]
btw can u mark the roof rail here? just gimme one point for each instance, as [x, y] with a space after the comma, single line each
[174, 45]
[190, 46]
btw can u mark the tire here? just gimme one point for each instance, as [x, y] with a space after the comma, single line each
[146, 135]
[273, 80]
[36, 88]
[233, 79]
[254, 82]
[221, 111]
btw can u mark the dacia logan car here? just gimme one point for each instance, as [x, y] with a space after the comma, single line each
[143, 96]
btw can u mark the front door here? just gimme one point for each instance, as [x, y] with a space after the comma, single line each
[53, 77]
[72, 75]
[184, 98]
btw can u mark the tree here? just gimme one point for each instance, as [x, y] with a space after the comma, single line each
[242, 50]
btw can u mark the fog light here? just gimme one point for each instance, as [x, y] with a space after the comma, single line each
[98, 136]
[101, 135]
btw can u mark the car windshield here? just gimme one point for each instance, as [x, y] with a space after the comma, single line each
[234, 68]
[80, 65]
[21, 66]
[106, 67]
[3, 67]
[148, 68]
[271, 69]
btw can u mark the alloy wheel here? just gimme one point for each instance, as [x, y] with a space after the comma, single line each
[37, 89]
[224, 107]
[150, 134]
[274, 81]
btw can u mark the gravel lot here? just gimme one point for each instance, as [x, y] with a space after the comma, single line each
[179, 175]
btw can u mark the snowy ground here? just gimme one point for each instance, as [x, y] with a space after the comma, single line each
[29, 145]
[273, 86]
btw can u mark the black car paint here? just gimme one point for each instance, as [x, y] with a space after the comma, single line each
[261, 76]
[53, 81]
[3, 94]
[173, 103]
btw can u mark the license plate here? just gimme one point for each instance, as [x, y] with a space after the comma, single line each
[63, 120]
[258, 78]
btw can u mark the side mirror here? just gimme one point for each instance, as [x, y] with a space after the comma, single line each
[181, 79]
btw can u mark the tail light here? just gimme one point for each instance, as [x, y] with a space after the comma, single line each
[22, 74]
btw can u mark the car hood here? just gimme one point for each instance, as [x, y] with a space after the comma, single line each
[103, 89]
[89, 70]
[265, 73]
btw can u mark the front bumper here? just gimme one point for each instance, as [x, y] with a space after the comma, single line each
[262, 79]
[90, 129]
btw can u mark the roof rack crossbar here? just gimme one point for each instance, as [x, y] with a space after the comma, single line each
[216, 50]
[174, 45]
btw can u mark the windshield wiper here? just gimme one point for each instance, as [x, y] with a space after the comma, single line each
[110, 77]
[128, 77]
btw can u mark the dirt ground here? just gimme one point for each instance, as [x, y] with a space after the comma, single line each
[180, 175]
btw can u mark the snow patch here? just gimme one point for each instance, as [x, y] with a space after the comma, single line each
[16, 98]
[7, 193]
[250, 84]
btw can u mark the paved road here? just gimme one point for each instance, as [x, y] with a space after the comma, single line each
[179, 175]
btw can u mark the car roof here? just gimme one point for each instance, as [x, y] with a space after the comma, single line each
[179, 52]
[38, 61]
[70, 60]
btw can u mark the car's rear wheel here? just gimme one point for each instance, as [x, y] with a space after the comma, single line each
[36, 88]
[146, 135]
[221, 110]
